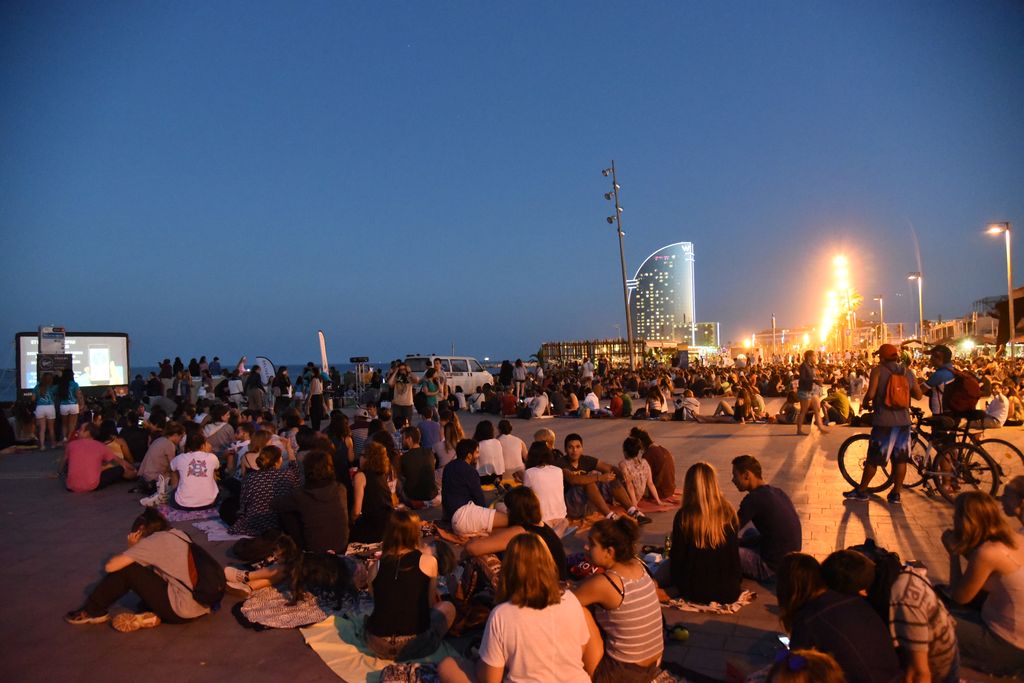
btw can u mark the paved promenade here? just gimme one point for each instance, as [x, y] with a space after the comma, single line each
[55, 544]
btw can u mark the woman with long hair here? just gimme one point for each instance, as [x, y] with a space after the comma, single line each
[452, 434]
[704, 562]
[808, 390]
[408, 619]
[316, 408]
[46, 412]
[537, 631]
[992, 640]
[491, 464]
[843, 626]
[372, 503]
[71, 401]
[625, 603]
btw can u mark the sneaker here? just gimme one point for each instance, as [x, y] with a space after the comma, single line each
[161, 485]
[126, 622]
[235, 574]
[153, 501]
[239, 588]
[641, 518]
[894, 499]
[856, 494]
[80, 616]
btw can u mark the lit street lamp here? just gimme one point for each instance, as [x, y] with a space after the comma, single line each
[995, 229]
[920, 305]
[617, 221]
[881, 315]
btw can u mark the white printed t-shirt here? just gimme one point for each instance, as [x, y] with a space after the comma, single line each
[197, 479]
[537, 645]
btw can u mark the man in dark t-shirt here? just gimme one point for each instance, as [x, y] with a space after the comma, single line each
[590, 483]
[776, 528]
[416, 470]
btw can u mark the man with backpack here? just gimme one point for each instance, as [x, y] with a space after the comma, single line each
[891, 387]
[950, 391]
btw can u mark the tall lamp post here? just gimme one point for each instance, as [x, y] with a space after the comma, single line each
[920, 305]
[995, 229]
[616, 220]
[881, 316]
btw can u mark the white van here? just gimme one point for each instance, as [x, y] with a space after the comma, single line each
[462, 371]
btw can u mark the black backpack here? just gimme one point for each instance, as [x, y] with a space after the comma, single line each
[888, 567]
[206, 574]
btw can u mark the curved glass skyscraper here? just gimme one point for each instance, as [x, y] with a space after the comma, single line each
[661, 299]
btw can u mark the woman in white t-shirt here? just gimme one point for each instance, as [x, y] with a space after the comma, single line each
[513, 450]
[547, 481]
[194, 474]
[491, 464]
[537, 632]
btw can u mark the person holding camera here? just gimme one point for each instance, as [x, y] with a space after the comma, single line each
[401, 381]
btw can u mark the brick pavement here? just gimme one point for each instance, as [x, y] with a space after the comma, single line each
[55, 543]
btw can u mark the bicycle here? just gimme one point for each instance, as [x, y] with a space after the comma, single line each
[946, 462]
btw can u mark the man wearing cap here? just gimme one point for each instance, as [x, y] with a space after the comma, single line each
[942, 360]
[890, 427]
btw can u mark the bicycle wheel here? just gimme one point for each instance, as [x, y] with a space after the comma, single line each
[1009, 458]
[963, 467]
[918, 457]
[853, 454]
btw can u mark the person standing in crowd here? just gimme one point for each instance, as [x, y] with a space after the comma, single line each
[69, 395]
[46, 413]
[402, 380]
[775, 528]
[890, 426]
[808, 391]
[519, 379]
[254, 390]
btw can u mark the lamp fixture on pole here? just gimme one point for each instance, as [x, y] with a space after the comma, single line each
[617, 221]
[995, 229]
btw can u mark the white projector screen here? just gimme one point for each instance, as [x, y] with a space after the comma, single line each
[98, 359]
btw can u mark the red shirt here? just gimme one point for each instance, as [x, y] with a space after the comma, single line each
[85, 462]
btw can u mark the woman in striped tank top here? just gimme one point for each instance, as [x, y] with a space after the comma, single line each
[625, 604]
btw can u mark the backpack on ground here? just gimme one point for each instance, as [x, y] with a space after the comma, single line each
[962, 394]
[897, 391]
[206, 575]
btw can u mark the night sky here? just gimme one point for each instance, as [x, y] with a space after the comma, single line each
[226, 178]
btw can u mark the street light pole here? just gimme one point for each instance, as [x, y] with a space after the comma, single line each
[881, 316]
[920, 305]
[617, 219]
[995, 229]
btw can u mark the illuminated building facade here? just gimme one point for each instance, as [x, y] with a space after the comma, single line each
[661, 300]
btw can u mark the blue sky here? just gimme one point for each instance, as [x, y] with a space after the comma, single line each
[226, 178]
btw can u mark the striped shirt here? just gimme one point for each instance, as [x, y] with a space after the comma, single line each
[919, 621]
[633, 629]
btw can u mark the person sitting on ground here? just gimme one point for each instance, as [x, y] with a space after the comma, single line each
[805, 666]
[774, 525]
[991, 640]
[430, 429]
[836, 406]
[625, 603]
[740, 411]
[194, 474]
[790, 410]
[591, 483]
[408, 620]
[90, 464]
[462, 499]
[636, 474]
[259, 489]
[663, 467]
[1013, 498]
[843, 626]
[920, 625]
[316, 515]
[513, 451]
[996, 412]
[491, 464]
[703, 564]
[524, 516]
[546, 480]
[372, 502]
[591, 406]
[108, 435]
[155, 567]
[444, 450]
[416, 484]
[537, 403]
[537, 631]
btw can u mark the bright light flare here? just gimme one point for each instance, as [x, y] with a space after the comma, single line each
[968, 345]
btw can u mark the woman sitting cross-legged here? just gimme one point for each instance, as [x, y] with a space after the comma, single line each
[408, 619]
[625, 602]
[538, 632]
[156, 568]
[259, 488]
[524, 516]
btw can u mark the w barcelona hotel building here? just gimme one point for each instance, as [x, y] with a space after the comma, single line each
[661, 299]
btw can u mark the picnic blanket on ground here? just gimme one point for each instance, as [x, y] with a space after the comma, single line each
[746, 597]
[216, 530]
[338, 641]
[176, 515]
[269, 607]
